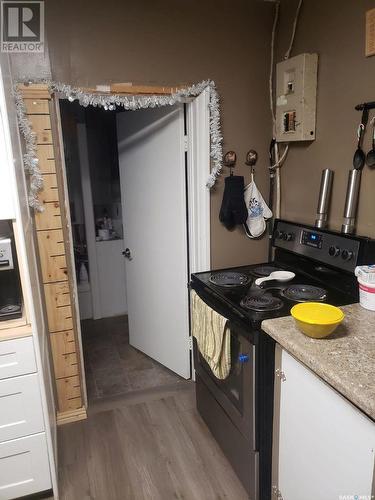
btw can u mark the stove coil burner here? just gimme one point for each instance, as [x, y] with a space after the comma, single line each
[229, 279]
[262, 271]
[305, 293]
[262, 303]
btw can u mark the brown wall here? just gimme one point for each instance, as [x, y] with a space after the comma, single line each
[169, 42]
[335, 29]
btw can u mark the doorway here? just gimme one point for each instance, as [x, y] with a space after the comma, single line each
[101, 191]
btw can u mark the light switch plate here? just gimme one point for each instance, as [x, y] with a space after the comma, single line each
[370, 33]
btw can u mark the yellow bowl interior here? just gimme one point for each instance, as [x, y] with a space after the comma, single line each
[316, 319]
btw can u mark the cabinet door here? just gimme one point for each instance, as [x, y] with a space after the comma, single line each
[17, 357]
[20, 407]
[324, 447]
[24, 467]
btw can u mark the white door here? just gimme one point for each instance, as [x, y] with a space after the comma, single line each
[153, 191]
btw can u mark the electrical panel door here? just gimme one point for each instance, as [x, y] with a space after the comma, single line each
[296, 83]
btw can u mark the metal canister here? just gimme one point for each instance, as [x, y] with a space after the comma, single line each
[351, 201]
[324, 198]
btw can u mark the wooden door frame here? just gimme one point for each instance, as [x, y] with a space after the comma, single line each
[198, 194]
[61, 171]
[198, 169]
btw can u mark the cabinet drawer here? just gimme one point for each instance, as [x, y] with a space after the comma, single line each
[24, 467]
[20, 407]
[17, 357]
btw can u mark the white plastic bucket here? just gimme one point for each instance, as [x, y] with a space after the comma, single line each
[104, 234]
[366, 294]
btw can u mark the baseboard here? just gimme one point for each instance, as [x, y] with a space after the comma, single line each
[66, 417]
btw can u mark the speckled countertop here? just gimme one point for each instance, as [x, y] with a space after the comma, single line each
[345, 359]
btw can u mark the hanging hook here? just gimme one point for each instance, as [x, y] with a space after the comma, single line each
[251, 159]
[229, 160]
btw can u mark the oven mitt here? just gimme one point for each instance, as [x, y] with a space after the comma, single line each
[258, 211]
[233, 209]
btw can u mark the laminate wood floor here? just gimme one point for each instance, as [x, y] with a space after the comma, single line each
[149, 444]
[143, 438]
[112, 366]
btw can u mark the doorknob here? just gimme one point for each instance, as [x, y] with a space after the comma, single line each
[126, 253]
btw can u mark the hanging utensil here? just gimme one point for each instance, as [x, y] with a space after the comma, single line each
[359, 157]
[370, 158]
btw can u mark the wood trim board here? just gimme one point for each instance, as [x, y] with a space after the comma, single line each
[129, 88]
[54, 247]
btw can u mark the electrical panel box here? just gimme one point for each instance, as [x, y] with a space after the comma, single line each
[296, 82]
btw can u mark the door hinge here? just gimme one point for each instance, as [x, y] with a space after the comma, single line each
[186, 143]
[279, 373]
[277, 493]
[190, 343]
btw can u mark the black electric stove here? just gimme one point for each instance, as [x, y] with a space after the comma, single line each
[239, 410]
[252, 304]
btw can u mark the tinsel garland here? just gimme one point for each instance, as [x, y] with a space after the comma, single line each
[110, 102]
[30, 159]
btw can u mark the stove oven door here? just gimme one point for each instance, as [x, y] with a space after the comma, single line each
[235, 394]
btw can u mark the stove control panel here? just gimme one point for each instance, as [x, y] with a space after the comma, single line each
[325, 247]
[311, 239]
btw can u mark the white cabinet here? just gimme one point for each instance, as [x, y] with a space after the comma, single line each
[24, 458]
[17, 357]
[24, 467]
[323, 446]
[20, 407]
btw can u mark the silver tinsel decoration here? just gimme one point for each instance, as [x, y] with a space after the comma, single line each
[30, 159]
[110, 102]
